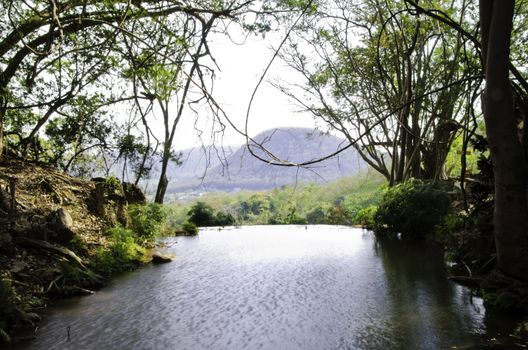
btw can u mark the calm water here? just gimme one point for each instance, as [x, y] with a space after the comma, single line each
[279, 287]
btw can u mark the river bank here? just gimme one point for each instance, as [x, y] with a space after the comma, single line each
[55, 239]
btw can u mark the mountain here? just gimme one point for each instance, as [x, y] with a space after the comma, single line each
[234, 168]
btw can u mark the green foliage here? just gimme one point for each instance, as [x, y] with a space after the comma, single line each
[333, 203]
[473, 154]
[309, 6]
[413, 209]
[8, 311]
[77, 244]
[366, 217]
[224, 219]
[73, 276]
[316, 216]
[339, 215]
[71, 135]
[202, 214]
[190, 229]
[147, 220]
[453, 223]
[112, 184]
[468, 234]
[132, 149]
[123, 253]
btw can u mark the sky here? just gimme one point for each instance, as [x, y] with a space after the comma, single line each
[241, 68]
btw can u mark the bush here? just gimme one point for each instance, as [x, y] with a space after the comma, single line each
[201, 214]
[223, 219]
[413, 209]
[147, 220]
[338, 215]
[78, 245]
[122, 254]
[316, 216]
[366, 217]
[112, 184]
[9, 313]
[190, 229]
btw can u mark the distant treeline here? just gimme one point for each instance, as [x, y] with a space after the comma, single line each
[337, 203]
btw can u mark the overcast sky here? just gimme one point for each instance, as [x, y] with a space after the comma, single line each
[242, 66]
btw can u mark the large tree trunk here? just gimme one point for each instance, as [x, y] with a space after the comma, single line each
[509, 162]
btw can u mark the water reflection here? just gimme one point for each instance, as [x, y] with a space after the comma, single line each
[426, 311]
[274, 288]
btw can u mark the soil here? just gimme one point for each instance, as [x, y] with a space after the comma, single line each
[58, 219]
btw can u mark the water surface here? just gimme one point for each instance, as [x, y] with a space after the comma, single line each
[276, 287]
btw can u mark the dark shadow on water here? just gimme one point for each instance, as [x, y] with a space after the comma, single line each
[428, 310]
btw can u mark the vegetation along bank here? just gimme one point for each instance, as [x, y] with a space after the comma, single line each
[62, 236]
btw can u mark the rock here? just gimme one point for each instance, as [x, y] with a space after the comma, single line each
[133, 194]
[159, 258]
[18, 266]
[522, 331]
[5, 201]
[121, 211]
[108, 202]
[97, 179]
[61, 220]
[97, 202]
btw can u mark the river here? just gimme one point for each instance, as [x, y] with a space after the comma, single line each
[278, 287]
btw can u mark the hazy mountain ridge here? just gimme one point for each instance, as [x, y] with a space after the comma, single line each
[204, 171]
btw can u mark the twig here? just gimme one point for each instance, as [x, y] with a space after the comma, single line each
[54, 282]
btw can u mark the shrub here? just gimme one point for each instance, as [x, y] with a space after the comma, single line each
[112, 184]
[413, 209]
[316, 216]
[77, 244]
[147, 220]
[224, 219]
[9, 313]
[338, 215]
[295, 219]
[201, 214]
[366, 217]
[190, 229]
[278, 220]
[122, 254]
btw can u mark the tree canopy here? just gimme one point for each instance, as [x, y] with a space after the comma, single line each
[67, 67]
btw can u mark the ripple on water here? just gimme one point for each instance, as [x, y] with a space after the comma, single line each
[279, 287]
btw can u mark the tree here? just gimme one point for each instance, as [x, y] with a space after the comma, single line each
[53, 52]
[505, 108]
[80, 127]
[506, 143]
[387, 80]
[202, 214]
